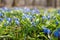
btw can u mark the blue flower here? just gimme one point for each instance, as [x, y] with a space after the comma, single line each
[1, 19]
[48, 17]
[16, 19]
[9, 10]
[4, 8]
[1, 14]
[26, 10]
[31, 18]
[17, 22]
[26, 16]
[5, 24]
[46, 30]
[57, 33]
[57, 23]
[23, 17]
[34, 11]
[9, 19]
[44, 17]
[33, 24]
[59, 11]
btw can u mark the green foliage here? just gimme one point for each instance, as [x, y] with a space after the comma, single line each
[26, 30]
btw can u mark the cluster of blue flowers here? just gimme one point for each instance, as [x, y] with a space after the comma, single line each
[34, 16]
[5, 19]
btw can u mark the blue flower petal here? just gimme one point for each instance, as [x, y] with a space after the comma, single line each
[59, 11]
[57, 23]
[57, 33]
[1, 19]
[9, 19]
[46, 30]
[17, 22]
[1, 14]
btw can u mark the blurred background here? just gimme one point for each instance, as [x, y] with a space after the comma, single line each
[30, 3]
